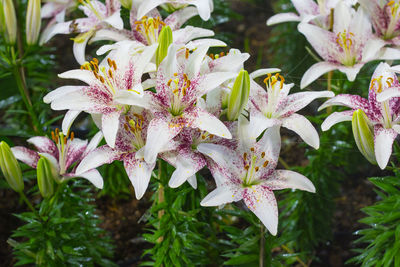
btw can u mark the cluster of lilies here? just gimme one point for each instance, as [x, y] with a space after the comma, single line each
[158, 94]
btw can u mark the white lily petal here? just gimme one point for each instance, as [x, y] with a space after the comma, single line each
[262, 72]
[351, 72]
[283, 17]
[221, 195]
[222, 156]
[68, 119]
[115, 20]
[94, 177]
[193, 65]
[371, 49]
[53, 161]
[109, 35]
[383, 145]
[342, 17]
[204, 8]
[207, 122]
[94, 142]
[283, 179]
[133, 98]
[298, 101]
[192, 45]
[189, 33]
[147, 6]
[315, 71]
[388, 53]
[396, 128]
[186, 167]
[213, 80]
[76, 100]
[82, 75]
[192, 181]
[261, 201]
[270, 143]
[79, 49]
[59, 93]
[63, 28]
[347, 100]
[109, 127]
[388, 94]
[139, 173]
[303, 127]
[99, 156]
[258, 123]
[159, 133]
[336, 117]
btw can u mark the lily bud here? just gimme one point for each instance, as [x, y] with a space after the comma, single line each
[239, 95]
[10, 168]
[126, 3]
[33, 22]
[170, 8]
[364, 135]
[164, 41]
[8, 21]
[45, 177]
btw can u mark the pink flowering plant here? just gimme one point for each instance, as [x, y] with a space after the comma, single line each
[165, 102]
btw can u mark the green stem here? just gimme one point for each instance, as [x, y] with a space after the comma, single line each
[22, 88]
[28, 203]
[262, 245]
[284, 164]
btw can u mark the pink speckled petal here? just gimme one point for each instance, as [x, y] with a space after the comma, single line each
[26, 155]
[75, 151]
[261, 201]
[270, 143]
[297, 101]
[316, 71]
[179, 17]
[350, 101]
[59, 93]
[187, 165]
[44, 145]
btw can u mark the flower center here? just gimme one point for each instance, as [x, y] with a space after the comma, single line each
[274, 85]
[378, 85]
[134, 125]
[345, 42]
[150, 28]
[394, 18]
[253, 163]
[62, 145]
[178, 87]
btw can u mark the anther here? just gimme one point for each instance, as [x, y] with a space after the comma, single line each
[256, 169]
[262, 154]
[252, 149]
[265, 163]
[72, 136]
[246, 167]
[245, 156]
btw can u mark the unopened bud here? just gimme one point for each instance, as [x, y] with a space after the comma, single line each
[8, 21]
[164, 41]
[239, 95]
[126, 3]
[170, 8]
[364, 135]
[33, 22]
[46, 176]
[10, 168]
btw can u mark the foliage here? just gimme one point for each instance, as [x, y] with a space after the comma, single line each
[64, 231]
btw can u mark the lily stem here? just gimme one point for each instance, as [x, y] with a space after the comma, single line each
[262, 245]
[27, 202]
[284, 164]
[160, 197]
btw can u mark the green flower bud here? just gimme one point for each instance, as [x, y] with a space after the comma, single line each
[8, 21]
[364, 135]
[33, 22]
[170, 8]
[45, 176]
[10, 168]
[164, 41]
[239, 95]
[126, 3]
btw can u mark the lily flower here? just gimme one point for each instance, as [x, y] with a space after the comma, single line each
[204, 7]
[308, 10]
[63, 153]
[276, 107]
[131, 139]
[385, 16]
[106, 81]
[55, 11]
[248, 173]
[146, 30]
[179, 84]
[347, 48]
[382, 109]
[99, 16]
